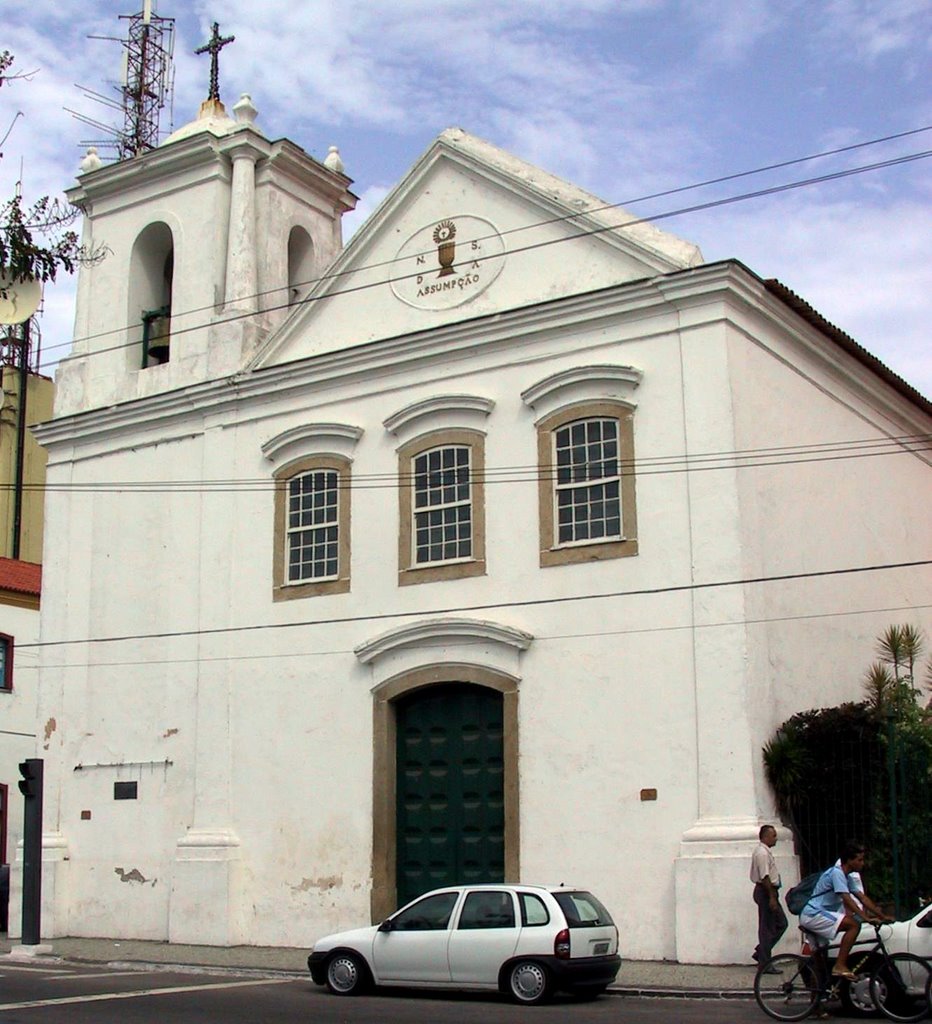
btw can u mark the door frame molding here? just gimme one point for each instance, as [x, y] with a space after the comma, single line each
[384, 838]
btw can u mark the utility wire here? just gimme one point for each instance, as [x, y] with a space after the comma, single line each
[658, 465]
[466, 642]
[563, 218]
[495, 605]
[529, 247]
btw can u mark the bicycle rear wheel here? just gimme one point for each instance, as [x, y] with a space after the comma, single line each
[787, 987]
[899, 987]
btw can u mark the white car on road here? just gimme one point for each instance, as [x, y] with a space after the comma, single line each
[524, 940]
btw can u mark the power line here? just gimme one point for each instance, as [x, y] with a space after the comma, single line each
[466, 642]
[588, 232]
[651, 466]
[495, 605]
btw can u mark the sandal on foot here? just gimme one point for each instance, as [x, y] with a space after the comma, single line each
[847, 975]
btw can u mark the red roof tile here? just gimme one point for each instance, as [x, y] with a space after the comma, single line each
[23, 577]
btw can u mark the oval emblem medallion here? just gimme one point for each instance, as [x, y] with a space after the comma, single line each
[448, 262]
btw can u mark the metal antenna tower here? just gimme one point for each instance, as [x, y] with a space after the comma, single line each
[146, 84]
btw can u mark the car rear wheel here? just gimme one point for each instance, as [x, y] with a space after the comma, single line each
[529, 982]
[346, 974]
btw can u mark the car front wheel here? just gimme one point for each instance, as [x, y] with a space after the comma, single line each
[346, 974]
[529, 982]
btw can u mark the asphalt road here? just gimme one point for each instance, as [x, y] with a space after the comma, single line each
[99, 994]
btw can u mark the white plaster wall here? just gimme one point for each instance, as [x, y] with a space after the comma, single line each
[604, 712]
[816, 638]
[269, 731]
[18, 714]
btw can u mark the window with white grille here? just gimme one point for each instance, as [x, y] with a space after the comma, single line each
[442, 518]
[587, 490]
[313, 528]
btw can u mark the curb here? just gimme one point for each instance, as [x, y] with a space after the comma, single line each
[658, 992]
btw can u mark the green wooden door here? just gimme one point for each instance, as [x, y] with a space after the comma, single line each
[449, 789]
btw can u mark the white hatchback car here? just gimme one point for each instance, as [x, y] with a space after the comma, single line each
[524, 940]
[913, 935]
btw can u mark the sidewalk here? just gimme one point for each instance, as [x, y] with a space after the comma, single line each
[636, 977]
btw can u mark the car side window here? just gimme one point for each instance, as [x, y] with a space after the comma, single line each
[488, 910]
[533, 910]
[430, 914]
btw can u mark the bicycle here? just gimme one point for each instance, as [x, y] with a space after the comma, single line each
[791, 986]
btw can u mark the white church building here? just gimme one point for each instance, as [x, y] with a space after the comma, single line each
[492, 545]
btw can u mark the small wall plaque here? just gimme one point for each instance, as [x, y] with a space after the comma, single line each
[648, 794]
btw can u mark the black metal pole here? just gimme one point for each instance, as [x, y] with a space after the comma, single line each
[31, 785]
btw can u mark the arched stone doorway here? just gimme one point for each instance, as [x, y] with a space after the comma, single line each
[445, 781]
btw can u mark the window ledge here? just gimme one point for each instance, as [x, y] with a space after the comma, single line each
[446, 571]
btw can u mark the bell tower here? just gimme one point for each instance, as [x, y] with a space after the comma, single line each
[210, 239]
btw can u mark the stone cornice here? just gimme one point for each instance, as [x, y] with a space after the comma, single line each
[718, 287]
[438, 632]
[156, 169]
[445, 407]
[599, 381]
[313, 439]
[289, 161]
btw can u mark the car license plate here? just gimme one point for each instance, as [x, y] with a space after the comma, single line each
[600, 947]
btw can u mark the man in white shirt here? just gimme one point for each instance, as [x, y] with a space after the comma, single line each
[771, 921]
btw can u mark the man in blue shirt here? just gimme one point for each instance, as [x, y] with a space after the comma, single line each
[832, 910]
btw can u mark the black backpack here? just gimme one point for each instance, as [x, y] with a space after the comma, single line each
[797, 897]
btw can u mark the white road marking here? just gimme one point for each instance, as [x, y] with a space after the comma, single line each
[97, 974]
[30, 969]
[174, 990]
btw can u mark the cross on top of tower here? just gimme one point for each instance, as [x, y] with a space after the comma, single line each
[213, 47]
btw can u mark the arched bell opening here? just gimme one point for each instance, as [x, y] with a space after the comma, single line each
[152, 269]
[300, 264]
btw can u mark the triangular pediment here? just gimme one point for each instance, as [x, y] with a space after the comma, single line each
[470, 231]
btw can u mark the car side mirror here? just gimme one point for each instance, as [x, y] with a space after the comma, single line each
[386, 926]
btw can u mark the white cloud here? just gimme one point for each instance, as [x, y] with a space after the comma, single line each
[728, 30]
[877, 29]
[864, 268]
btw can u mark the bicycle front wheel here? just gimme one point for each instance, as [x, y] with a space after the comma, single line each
[787, 987]
[899, 987]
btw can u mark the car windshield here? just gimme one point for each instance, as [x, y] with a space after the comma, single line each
[582, 910]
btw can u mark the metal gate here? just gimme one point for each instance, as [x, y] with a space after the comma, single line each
[875, 787]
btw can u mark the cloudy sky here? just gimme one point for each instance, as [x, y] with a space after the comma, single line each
[626, 98]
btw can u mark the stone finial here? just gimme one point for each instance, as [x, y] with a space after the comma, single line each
[90, 161]
[244, 111]
[332, 160]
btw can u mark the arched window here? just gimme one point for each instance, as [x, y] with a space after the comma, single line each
[150, 294]
[585, 454]
[587, 495]
[312, 508]
[300, 264]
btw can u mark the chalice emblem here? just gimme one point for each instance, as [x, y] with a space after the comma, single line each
[444, 233]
